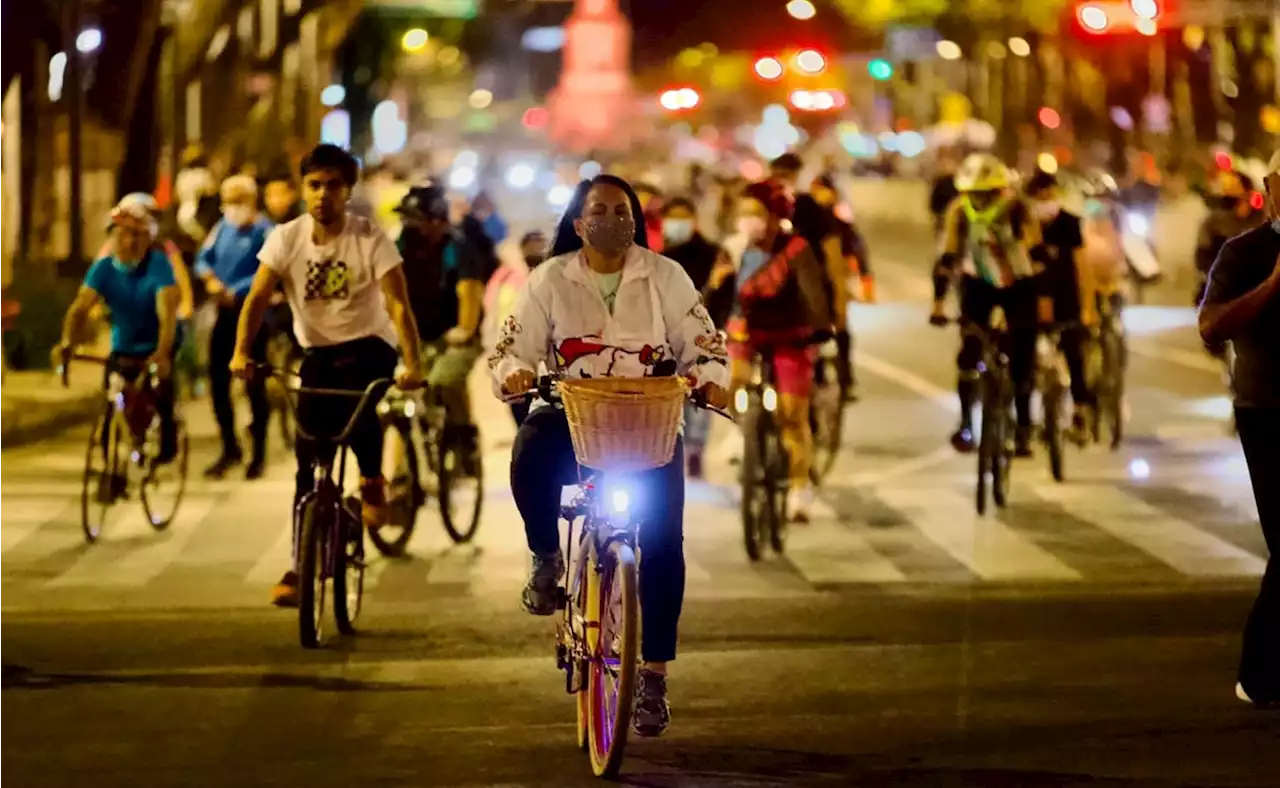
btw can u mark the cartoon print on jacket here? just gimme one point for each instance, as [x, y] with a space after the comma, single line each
[589, 357]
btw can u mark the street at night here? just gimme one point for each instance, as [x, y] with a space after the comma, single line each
[1086, 635]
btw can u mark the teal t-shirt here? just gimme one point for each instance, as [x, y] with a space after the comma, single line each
[130, 294]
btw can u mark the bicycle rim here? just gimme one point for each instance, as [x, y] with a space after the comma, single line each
[461, 495]
[348, 575]
[755, 502]
[1002, 460]
[404, 490]
[165, 485]
[1053, 432]
[987, 443]
[780, 467]
[611, 685]
[98, 488]
[828, 424]
[311, 581]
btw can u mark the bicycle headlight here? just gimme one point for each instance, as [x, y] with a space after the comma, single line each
[1139, 225]
[384, 408]
[621, 501]
[769, 399]
[740, 400]
[410, 408]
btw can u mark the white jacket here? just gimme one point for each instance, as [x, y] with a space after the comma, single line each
[560, 320]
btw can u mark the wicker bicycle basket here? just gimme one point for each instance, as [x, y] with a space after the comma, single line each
[624, 424]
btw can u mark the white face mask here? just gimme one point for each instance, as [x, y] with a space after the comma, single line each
[753, 227]
[1047, 210]
[238, 215]
[677, 231]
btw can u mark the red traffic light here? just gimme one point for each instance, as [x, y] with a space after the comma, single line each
[769, 68]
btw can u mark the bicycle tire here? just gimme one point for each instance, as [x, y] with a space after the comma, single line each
[776, 494]
[449, 467]
[987, 443]
[311, 581]
[607, 734]
[1002, 465]
[1111, 400]
[1053, 401]
[755, 505]
[348, 573]
[405, 496]
[178, 464]
[826, 420]
[92, 494]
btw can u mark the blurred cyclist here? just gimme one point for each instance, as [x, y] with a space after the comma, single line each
[781, 305]
[991, 236]
[847, 255]
[1230, 214]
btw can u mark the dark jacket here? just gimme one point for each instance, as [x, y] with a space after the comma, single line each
[787, 292]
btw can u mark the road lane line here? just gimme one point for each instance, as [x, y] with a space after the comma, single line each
[23, 517]
[988, 547]
[827, 552]
[944, 398]
[905, 468]
[274, 560]
[1170, 540]
[1190, 359]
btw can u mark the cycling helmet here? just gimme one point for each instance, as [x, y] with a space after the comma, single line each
[140, 198]
[135, 216]
[982, 172]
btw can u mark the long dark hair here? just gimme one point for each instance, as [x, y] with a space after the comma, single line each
[567, 239]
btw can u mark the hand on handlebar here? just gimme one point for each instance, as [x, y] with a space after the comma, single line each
[714, 396]
[240, 366]
[162, 364]
[518, 383]
[410, 378]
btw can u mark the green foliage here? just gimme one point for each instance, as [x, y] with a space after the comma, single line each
[1037, 14]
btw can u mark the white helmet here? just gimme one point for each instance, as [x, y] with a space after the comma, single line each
[140, 198]
[982, 172]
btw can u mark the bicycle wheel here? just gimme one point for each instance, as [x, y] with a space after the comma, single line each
[987, 445]
[461, 488]
[826, 419]
[348, 570]
[164, 485]
[777, 483]
[611, 685]
[1002, 464]
[1053, 401]
[756, 503]
[1111, 397]
[312, 535]
[104, 479]
[405, 495]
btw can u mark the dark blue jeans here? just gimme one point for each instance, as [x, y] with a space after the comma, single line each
[543, 463]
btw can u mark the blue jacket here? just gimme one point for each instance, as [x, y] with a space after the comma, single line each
[231, 254]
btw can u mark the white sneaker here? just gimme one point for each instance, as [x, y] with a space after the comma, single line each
[799, 501]
[1244, 696]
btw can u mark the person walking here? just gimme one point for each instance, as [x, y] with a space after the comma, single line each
[227, 264]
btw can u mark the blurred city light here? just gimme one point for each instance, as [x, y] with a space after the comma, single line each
[801, 99]
[678, 99]
[1147, 27]
[1230, 89]
[1138, 223]
[521, 176]
[480, 98]
[389, 132]
[1257, 201]
[948, 50]
[1093, 18]
[560, 195]
[880, 69]
[689, 97]
[543, 39]
[1019, 46]
[996, 50]
[589, 170]
[333, 95]
[414, 40]
[1223, 160]
[775, 114]
[911, 144]
[535, 118]
[1049, 118]
[811, 61]
[462, 177]
[89, 40]
[335, 128]
[1145, 9]
[1047, 163]
[1122, 118]
[768, 68]
[466, 158]
[888, 141]
[801, 9]
[57, 71]
[1139, 468]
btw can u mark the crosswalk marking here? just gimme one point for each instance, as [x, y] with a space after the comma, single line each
[22, 517]
[826, 552]
[132, 557]
[991, 549]
[1171, 540]
[274, 561]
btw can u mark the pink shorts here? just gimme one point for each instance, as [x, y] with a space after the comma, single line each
[792, 366]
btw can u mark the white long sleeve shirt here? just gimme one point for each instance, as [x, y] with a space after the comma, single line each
[560, 320]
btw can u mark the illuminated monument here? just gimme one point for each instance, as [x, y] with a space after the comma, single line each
[591, 108]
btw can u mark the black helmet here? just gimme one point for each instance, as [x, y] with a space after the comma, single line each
[425, 202]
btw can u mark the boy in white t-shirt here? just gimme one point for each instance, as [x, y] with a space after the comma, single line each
[343, 279]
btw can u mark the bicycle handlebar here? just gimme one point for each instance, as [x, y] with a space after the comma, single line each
[375, 391]
[64, 369]
[546, 385]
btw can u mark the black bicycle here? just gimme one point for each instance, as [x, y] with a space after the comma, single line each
[1053, 379]
[826, 411]
[765, 462]
[328, 530]
[453, 463]
[996, 444]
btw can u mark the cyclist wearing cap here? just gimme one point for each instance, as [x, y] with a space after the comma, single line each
[992, 237]
[343, 279]
[1230, 214]
[445, 277]
[136, 283]
[781, 305]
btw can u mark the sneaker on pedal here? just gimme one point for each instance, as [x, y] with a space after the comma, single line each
[541, 592]
[799, 502]
[653, 712]
[1022, 442]
[373, 502]
[255, 470]
[962, 439]
[223, 464]
[285, 593]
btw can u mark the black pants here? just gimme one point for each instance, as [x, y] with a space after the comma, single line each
[977, 298]
[351, 365]
[130, 368]
[1260, 658]
[1073, 342]
[222, 346]
[543, 463]
[844, 360]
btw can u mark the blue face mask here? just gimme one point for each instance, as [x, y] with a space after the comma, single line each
[1275, 225]
[125, 266]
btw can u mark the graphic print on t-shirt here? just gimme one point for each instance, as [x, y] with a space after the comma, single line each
[327, 280]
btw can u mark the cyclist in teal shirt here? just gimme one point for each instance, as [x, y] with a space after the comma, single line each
[136, 283]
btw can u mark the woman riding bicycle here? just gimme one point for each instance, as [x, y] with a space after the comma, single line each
[604, 305]
[781, 306]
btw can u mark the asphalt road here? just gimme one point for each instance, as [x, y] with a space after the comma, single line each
[1086, 635]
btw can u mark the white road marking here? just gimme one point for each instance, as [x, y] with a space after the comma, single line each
[944, 398]
[21, 517]
[1170, 540]
[824, 551]
[1190, 359]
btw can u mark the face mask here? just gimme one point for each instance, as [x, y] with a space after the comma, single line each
[1275, 225]
[534, 260]
[609, 234]
[125, 266]
[753, 227]
[1047, 210]
[238, 215]
[677, 231]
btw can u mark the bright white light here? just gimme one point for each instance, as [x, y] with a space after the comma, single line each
[802, 99]
[775, 115]
[389, 132]
[823, 100]
[1138, 224]
[621, 501]
[888, 141]
[414, 40]
[740, 400]
[559, 195]
[811, 61]
[1145, 9]
[89, 40]
[911, 144]
[333, 95]
[480, 98]
[1048, 163]
[57, 70]
[769, 399]
[1019, 46]
[410, 408]
[801, 9]
[689, 98]
[466, 158]
[948, 50]
[521, 176]
[1147, 27]
[589, 170]
[335, 128]
[1139, 468]
[1094, 18]
[670, 100]
[462, 177]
